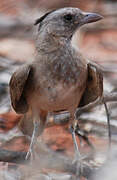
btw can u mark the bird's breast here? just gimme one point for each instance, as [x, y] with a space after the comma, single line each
[59, 84]
[58, 97]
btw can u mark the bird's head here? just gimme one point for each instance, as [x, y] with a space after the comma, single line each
[65, 21]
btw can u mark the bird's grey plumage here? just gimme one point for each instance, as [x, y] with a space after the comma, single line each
[57, 78]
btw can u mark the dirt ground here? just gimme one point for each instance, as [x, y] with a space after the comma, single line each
[98, 42]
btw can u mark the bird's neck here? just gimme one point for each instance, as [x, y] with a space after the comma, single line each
[48, 42]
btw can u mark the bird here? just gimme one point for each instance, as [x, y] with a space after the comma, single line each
[60, 77]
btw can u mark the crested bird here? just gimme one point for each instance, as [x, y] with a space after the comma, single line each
[59, 78]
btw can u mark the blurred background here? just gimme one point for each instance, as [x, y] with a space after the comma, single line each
[97, 41]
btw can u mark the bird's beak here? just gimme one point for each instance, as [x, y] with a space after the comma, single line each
[91, 17]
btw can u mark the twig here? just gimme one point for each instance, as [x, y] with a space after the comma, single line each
[108, 123]
[108, 97]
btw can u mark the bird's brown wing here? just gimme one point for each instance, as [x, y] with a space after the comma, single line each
[18, 87]
[94, 86]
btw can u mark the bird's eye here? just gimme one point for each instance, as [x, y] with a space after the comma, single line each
[68, 17]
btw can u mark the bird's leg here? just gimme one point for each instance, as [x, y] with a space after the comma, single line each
[39, 124]
[77, 152]
[77, 158]
[33, 139]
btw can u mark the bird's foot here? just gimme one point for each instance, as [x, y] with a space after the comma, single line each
[79, 162]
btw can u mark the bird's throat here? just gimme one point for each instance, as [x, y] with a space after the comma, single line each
[49, 43]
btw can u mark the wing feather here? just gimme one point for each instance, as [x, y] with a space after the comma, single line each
[94, 86]
[18, 87]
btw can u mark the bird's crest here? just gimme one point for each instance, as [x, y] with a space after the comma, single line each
[39, 20]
